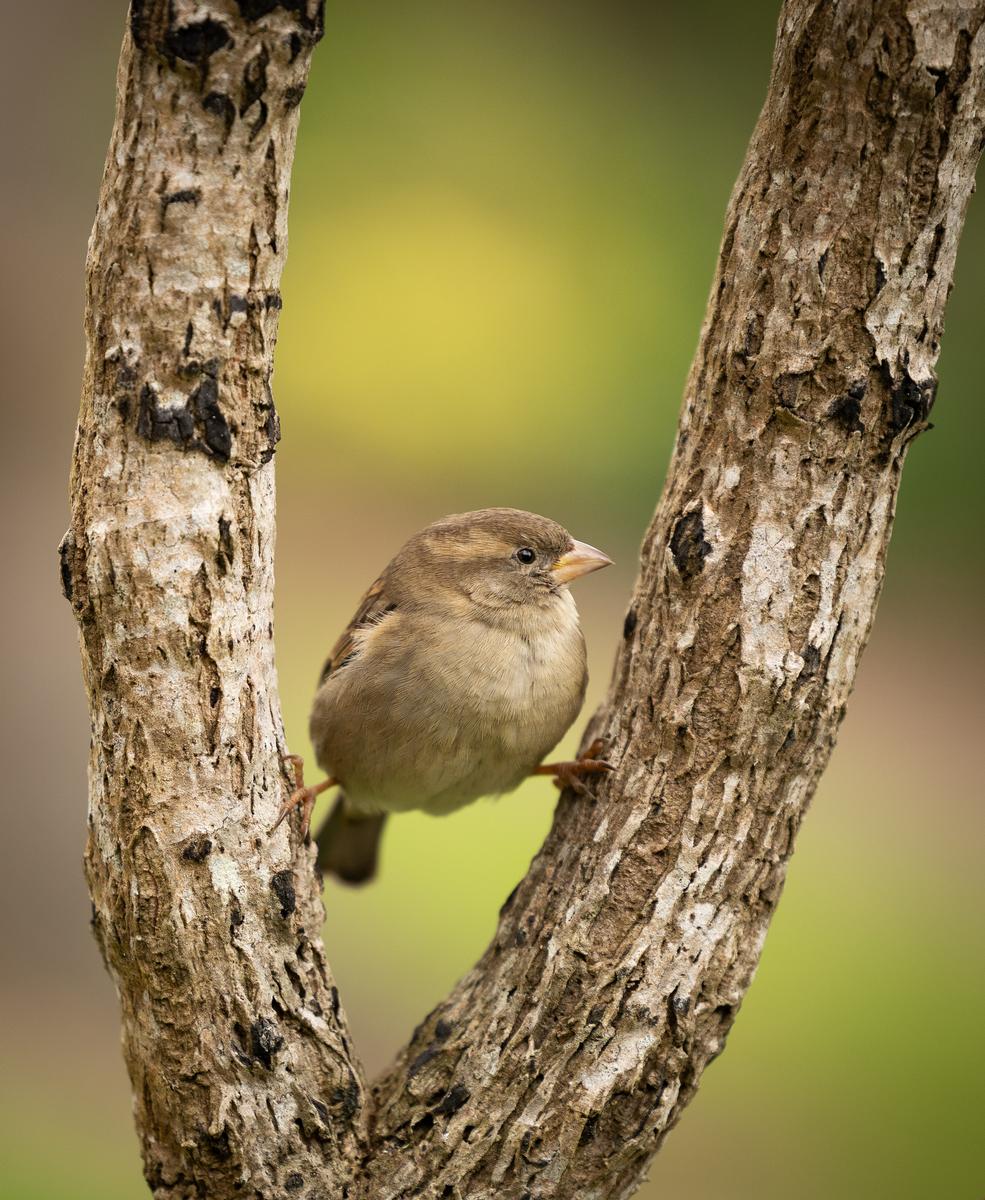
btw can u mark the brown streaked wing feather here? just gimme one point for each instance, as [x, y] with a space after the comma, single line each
[373, 605]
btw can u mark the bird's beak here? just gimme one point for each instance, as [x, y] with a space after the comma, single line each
[579, 560]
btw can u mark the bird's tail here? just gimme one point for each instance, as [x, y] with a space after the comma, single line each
[348, 845]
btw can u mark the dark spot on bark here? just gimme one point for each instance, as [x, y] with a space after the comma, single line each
[225, 550]
[65, 549]
[688, 545]
[422, 1060]
[822, 262]
[786, 389]
[271, 424]
[271, 427]
[293, 95]
[216, 1145]
[236, 919]
[219, 105]
[910, 400]
[196, 43]
[189, 334]
[254, 88]
[154, 423]
[214, 694]
[588, 1129]
[847, 409]
[239, 1046]
[185, 196]
[296, 44]
[454, 1099]
[423, 1124]
[595, 1015]
[253, 10]
[197, 848]
[273, 300]
[282, 885]
[258, 124]
[677, 1007]
[145, 16]
[935, 249]
[347, 1098]
[254, 80]
[812, 660]
[880, 276]
[520, 937]
[629, 625]
[265, 1041]
[294, 1182]
[238, 304]
[314, 25]
[939, 75]
[215, 435]
[442, 1029]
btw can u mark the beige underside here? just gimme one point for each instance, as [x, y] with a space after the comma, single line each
[433, 714]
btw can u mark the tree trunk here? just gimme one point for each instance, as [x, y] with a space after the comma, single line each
[558, 1064]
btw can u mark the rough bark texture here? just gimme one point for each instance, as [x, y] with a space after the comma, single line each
[232, 1033]
[559, 1063]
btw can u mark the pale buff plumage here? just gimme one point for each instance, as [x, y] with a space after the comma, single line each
[462, 668]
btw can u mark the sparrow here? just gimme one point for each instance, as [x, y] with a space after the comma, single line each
[462, 667]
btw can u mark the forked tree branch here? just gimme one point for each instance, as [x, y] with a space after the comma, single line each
[558, 1064]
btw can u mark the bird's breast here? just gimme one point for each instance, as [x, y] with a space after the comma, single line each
[510, 672]
[449, 711]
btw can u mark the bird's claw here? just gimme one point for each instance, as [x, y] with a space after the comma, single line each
[301, 797]
[571, 774]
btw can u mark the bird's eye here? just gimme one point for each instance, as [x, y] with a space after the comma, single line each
[526, 555]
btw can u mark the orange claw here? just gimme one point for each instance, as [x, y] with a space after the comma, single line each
[302, 797]
[570, 774]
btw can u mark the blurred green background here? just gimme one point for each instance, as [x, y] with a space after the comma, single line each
[504, 222]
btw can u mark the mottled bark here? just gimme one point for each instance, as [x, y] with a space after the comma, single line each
[559, 1063]
[232, 1032]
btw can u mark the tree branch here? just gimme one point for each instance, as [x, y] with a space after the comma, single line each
[559, 1063]
[232, 1032]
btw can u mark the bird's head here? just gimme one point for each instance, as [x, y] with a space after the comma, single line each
[498, 558]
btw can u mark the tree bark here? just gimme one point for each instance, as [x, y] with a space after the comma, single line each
[234, 1040]
[559, 1063]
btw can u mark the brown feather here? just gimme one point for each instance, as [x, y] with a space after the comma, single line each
[374, 605]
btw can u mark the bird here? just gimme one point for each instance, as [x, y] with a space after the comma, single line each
[462, 667]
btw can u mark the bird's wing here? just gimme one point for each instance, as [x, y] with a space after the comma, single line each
[372, 608]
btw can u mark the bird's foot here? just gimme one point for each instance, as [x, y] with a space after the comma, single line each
[302, 797]
[572, 774]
